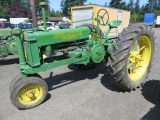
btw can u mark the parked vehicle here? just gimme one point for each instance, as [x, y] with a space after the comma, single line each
[3, 20]
[50, 26]
[5, 25]
[64, 26]
[24, 25]
[18, 20]
[14, 25]
[157, 21]
[149, 19]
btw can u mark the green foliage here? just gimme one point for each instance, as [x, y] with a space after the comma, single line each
[39, 8]
[105, 4]
[137, 12]
[136, 18]
[131, 5]
[137, 6]
[115, 3]
[118, 4]
[53, 13]
[6, 4]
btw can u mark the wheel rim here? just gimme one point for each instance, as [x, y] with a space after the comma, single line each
[139, 58]
[30, 94]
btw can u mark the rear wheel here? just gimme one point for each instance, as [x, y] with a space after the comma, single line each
[29, 92]
[131, 56]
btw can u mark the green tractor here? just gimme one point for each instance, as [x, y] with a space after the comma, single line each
[7, 43]
[129, 56]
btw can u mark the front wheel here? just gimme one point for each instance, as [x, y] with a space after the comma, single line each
[28, 92]
[131, 56]
[19, 77]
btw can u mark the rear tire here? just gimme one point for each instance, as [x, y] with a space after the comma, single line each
[128, 66]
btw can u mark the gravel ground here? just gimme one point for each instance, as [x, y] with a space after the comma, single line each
[84, 95]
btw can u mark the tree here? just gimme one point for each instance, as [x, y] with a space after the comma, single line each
[131, 6]
[118, 4]
[17, 10]
[53, 13]
[105, 4]
[115, 3]
[90, 3]
[7, 5]
[137, 6]
[67, 4]
[39, 8]
[123, 6]
[3, 9]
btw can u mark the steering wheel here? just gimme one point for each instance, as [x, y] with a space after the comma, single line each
[103, 15]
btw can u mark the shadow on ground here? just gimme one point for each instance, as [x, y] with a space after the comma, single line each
[4, 61]
[57, 81]
[151, 92]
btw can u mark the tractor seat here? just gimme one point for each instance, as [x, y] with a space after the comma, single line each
[114, 23]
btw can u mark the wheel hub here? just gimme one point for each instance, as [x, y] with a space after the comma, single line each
[31, 94]
[135, 57]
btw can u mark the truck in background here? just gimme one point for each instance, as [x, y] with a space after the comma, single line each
[157, 22]
[3, 20]
[149, 19]
[18, 20]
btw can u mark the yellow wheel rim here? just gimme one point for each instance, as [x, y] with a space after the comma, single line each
[30, 94]
[139, 58]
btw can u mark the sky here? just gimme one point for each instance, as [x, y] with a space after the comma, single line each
[55, 4]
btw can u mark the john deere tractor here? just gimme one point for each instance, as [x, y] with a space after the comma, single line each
[129, 55]
[7, 43]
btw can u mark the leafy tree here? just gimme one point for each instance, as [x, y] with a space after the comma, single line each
[105, 4]
[17, 10]
[115, 3]
[136, 17]
[131, 5]
[7, 5]
[58, 14]
[3, 7]
[55, 13]
[39, 8]
[67, 4]
[118, 4]
[137, 6]
[123, 6]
